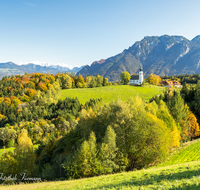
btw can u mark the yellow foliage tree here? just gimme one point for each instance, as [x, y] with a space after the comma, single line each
[15, 101]
[2, 117]
[23, 140]
[8, 164]
[175, 137]
[24, 154]
[22, 160]
[1, 99]
[162, 112]
[154, 79]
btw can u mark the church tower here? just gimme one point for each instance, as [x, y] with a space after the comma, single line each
[141, 76]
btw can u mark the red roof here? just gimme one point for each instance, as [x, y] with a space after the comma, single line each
[168, 82]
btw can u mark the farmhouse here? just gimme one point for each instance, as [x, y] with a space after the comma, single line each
[137, 79]
[168, 83]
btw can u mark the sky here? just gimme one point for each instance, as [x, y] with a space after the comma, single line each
[78, 32]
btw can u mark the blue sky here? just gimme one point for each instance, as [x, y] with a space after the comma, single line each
[78, 32]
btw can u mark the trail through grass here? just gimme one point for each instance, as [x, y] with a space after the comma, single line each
[110, 93]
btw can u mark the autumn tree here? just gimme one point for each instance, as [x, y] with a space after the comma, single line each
[4, 134]
[88, 80]
[162, 113]
[23, 140]
[22, 160]
[24, 154]
[8, 164]
[42, 86]
[193, 126]
[154, 79]
[125, 77]
[105, 82]
[138, 132]
[99, 80]
[80, 82]
[66, 81]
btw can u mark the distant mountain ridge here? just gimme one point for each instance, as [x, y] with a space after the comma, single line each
[10, 68]
[164, 55]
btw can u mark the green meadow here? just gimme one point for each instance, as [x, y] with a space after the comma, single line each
[175, 176]
[188, 152]
[180, 176]
[112, 93]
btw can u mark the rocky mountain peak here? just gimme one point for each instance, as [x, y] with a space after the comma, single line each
[162, 55]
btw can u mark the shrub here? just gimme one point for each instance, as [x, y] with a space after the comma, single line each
[9, 143]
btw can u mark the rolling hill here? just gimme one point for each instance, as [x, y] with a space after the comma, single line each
[112, 93]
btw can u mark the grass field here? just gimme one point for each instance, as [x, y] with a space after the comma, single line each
[175, 176]
[180, 176]
[189, 151]
[110, 93]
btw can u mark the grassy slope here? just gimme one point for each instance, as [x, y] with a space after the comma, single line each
[110, 93]
[176, 176]
[181, 176]
[188, 152]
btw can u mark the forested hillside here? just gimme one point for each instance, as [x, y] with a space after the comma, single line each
[83, 140]
[191, 79]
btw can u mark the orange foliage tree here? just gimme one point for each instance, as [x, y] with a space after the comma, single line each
[7, 101]
[42, 86]
[30, 92]
[15, 101]
[193, 126]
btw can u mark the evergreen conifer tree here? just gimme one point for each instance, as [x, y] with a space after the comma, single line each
[108, 152]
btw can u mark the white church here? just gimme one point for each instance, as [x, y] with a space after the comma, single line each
[137, 79]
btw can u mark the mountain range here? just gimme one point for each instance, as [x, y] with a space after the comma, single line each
[161, 55]
[10, 68]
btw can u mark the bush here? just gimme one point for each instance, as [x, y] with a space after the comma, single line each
[48, 172]
[9, 143]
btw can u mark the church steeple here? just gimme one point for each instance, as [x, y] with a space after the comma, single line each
[141, 75]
